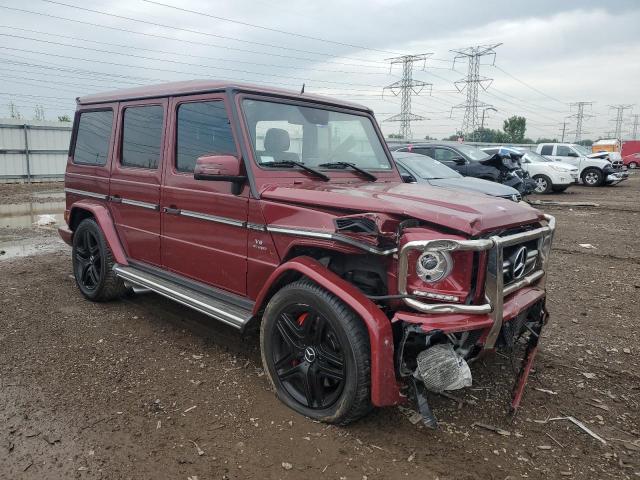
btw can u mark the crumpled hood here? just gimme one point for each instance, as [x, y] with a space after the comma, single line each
[466, 212]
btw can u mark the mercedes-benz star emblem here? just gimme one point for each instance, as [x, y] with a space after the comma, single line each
[518, 263]
[309, 354]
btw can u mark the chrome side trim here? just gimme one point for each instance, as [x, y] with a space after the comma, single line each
[86, 194]
[213, 218]
[330, 236]
[138, 203]
[256, 226]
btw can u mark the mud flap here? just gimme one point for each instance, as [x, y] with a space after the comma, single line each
[428, 418]
[527, 362]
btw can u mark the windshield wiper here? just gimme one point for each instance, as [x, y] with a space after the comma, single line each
[362, 171]
[291, 163]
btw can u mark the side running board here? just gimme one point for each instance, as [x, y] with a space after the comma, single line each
[210, 305]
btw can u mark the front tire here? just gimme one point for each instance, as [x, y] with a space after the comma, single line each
[560, 189]
[592, 177]
[93, 264]
[633, 165]
[543, 184]
[316, 353]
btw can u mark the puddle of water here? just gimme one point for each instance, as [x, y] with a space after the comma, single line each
[32, 246]
[24, 215]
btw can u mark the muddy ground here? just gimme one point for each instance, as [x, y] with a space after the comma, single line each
[144, 388]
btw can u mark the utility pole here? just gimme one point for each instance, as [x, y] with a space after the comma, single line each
[564, 128]
[472, 83]
[484, 110]
[406, 87]
[579, 116]
[634, 132]
[619, 109]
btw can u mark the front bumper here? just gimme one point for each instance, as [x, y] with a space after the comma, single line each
[493, 312]
[617, 177]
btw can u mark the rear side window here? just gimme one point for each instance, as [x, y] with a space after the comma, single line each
[546, 150]
[92, 139]
[142, 136]
[203, 129]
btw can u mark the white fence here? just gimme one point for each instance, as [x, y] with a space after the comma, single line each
[33, 151]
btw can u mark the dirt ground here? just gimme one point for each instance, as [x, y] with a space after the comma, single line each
[144, 388]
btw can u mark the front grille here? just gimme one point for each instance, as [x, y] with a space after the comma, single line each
[519, 260]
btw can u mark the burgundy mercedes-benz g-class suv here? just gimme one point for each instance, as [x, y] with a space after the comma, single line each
[269, 209]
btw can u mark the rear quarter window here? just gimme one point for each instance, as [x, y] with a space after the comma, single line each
[93, 138]
[546, 150]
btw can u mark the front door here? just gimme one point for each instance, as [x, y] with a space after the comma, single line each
[450, 158]
[204, 234]
[136, 173]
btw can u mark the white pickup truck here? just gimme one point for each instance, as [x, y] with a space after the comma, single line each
[592, 171]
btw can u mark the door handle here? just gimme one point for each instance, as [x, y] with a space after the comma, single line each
[116, 198]
[172, 210]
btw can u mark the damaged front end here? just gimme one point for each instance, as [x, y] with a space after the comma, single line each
[447, 331]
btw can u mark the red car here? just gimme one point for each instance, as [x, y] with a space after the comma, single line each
[284, 212]
[632, 160]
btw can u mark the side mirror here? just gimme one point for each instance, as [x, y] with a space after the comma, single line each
[572, 154]
[459, 161]
[221, 168]
[408, 178]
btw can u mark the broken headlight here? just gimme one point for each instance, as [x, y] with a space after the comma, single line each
[433, 266]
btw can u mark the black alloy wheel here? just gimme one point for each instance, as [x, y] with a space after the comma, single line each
[88, 260]
[316, 353]
[93, 264]
[307, 357]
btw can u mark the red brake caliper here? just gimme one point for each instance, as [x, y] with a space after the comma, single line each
[300, 320]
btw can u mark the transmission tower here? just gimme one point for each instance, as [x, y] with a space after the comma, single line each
[634, 131]
[406, 87]
[619, 109]
[579, 116]
[472, 83]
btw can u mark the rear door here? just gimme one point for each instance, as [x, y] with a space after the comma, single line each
[204, 234]
[135, 178]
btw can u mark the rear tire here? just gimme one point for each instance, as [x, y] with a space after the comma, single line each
[543, 184]
[93, 264]
[560, 189]
[633, 165]
[592, 177]
[316, 354]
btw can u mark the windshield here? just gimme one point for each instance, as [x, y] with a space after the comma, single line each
[313, 136]
[535, 157]
[584, 151]
[472, 152]
[426, 167]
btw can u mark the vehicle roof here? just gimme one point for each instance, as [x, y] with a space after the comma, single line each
[190, 87]
[402, 155]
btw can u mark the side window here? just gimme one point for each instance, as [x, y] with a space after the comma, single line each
[92, 138]
[443, 154]
[546, 150]
[142, 136]
[203, 129]
[562, 151]
[420, 150]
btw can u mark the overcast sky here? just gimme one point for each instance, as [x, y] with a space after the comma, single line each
[552, 53]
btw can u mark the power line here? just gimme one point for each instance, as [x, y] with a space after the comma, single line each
[528, 86]
[406, 87]
[189, 42]
[197, 32]
[262, 27]
[472, 82]
[183, 54]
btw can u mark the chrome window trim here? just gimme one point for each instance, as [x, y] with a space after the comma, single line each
[256, 226]
[495, 291]
[213, 218]
[138, 203]
[330, 236]
[86, 194]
